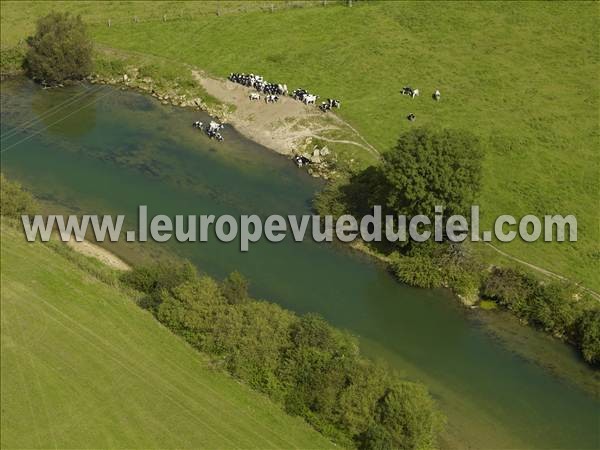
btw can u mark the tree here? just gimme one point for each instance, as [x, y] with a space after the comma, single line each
[429, 168]
[235, 288]
[60, 50]
[406, 412]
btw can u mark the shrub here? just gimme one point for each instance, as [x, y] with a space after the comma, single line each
[315, 370]
[11, 60]
[405, 411]
[365, 382]
[60, 50]
[235, 288]
[330, 201]
[376, 437]
[510, 288]
[152, 279]
[465, 284]
[14, 201]
[418, 270]
[553, 309]
[589, 336]
[557, 307]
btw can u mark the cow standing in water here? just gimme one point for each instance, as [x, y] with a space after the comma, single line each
[213, 130]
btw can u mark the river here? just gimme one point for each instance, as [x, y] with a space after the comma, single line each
[93, 149]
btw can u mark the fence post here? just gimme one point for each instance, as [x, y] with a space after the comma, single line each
[164, 17]
[108, 23]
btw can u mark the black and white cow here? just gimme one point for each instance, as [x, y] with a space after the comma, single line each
[301, 160]
[329, 104]
[310, 99]
[407, 90]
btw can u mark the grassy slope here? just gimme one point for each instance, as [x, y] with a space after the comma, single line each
[523, 76]
[82, 366]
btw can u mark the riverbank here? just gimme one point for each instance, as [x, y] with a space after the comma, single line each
[104, 256]
[286, 128]
[129, 150]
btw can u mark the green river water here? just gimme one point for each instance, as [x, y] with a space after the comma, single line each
[100, 150]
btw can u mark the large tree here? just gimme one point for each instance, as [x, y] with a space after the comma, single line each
[60, 50]
[429, 168]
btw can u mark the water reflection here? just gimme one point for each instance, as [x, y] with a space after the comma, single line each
[63, 114]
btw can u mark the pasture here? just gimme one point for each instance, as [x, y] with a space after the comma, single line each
[84, 367]
[522, 76]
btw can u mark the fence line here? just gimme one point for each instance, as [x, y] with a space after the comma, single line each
[172, 15]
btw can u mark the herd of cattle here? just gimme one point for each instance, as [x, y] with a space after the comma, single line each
[273, 91]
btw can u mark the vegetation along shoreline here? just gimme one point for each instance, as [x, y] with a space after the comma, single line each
[307, 366]
[458, 119]
[559, 307]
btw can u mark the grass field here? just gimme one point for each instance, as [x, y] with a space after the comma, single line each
[522, 76]
[84, 367]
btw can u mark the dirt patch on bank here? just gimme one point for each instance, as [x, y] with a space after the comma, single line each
[88, 249]
[287, 127]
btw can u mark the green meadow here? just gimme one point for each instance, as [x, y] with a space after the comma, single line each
[522, 76]
[84, 367]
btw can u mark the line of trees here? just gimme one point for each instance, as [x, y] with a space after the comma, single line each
[313, 369]
[431, 167]
[557, 308]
